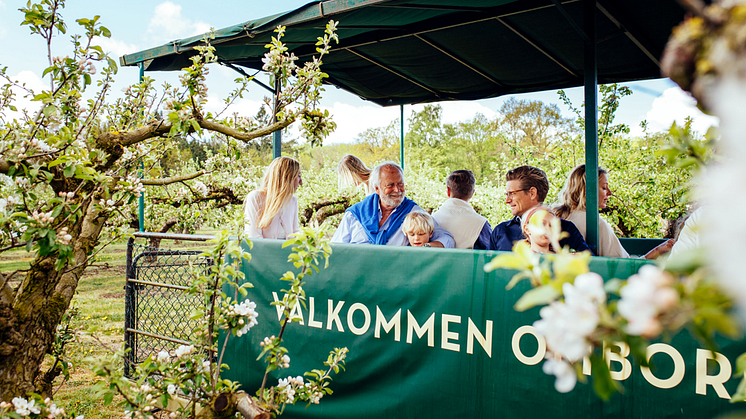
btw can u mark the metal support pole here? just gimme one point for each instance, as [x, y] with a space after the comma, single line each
[591, 126]
[401, 137]
[277, 135]
[141, 207]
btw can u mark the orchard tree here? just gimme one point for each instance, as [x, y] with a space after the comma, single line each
[533, 123]
[70, 169]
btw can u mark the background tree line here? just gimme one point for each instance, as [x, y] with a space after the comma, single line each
[649, 195]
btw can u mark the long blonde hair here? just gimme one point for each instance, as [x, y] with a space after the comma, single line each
[352, 172]
[277, 188]
[572, 196]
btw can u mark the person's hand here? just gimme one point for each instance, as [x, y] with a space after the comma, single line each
[662, 248]
[436, 244]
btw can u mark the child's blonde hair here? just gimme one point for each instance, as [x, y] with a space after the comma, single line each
[548, 215]
[418, 221]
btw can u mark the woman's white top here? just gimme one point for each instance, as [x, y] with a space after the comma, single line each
[689, 237]
[608, 243]
[284, 223]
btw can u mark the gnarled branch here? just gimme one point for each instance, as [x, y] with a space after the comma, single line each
[170, 180]
[244, 136]
[152, 129]
[216, 194]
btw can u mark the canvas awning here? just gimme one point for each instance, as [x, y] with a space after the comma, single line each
[410, 51]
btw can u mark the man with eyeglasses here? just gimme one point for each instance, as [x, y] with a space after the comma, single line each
[527, 187]
[378, 218]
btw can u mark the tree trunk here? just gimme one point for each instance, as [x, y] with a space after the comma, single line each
[30, 315]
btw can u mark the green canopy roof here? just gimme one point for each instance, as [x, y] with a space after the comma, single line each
[409, 51]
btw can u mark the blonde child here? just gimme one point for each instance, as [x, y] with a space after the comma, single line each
[418, 227]
[538, 239]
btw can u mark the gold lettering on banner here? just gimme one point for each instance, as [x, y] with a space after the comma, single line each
[619, 357]
[678, 366]
[295, 312]
[351, 325]
[334, 315]
[473, 333]
[311, 310]
[413, 326]
[716, 381]
[394, 323]
[516, 344]
[446, 335]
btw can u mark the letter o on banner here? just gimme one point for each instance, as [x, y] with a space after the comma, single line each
[351, 325]
[678, 366]
[516, 344]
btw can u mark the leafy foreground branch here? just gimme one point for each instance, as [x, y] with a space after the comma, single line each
[584, 320]
[187, 382]
[71, 172]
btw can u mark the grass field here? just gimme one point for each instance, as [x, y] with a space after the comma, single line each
[99, 325]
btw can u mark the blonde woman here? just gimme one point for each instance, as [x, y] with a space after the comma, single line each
[353, 173]
[571, 207]
[271, 212]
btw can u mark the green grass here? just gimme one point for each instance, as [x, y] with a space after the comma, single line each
[99, 325]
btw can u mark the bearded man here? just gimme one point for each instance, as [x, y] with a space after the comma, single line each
[378, 218]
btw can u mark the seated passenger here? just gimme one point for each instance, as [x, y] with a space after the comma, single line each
[571, 206]
[418, 227]
[469, 229]
[377, 219]
[352, 172]
[688, 237]
[538, 239]
[271, 212]
[527, 188]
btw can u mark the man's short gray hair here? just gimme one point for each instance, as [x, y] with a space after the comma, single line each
[375, 175]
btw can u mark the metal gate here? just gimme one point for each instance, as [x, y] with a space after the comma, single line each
[157, 307]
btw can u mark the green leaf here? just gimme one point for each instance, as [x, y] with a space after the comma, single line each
[613, 286]
[740, 365]
[108, 397]
[740, 395]
[603, 384]
[542, 295]
[49, 110]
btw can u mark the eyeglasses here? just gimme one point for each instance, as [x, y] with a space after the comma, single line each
[511, 194]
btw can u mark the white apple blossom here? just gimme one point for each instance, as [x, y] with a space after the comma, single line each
[25, 407]
[563, 370]
[184, 350]
[55, 411]
[646, 295]
[163, 356]
[171, 389]
[566, 325]
[201, 188]
[722, 224]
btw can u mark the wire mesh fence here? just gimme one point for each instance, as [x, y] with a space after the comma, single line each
[157, 306]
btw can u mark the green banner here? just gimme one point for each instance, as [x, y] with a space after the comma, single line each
[432, 335]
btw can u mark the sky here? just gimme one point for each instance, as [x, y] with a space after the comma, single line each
[139, 25]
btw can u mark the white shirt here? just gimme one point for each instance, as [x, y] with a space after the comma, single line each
[689, 237]
[459, 218]
[284, 223]
[350, 230]
[608, 243]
